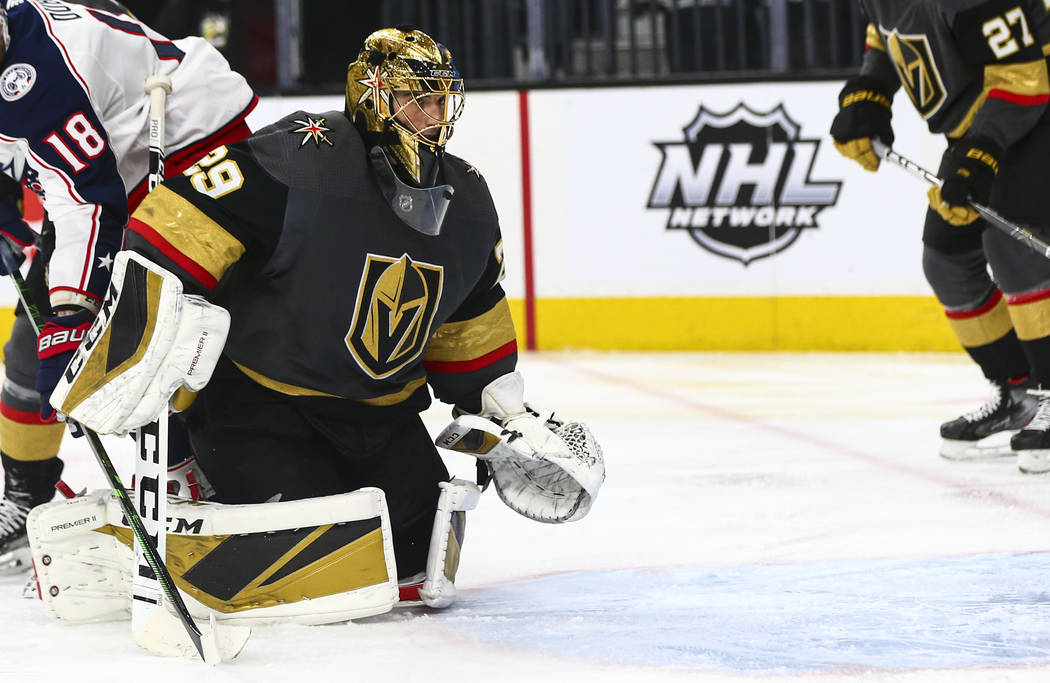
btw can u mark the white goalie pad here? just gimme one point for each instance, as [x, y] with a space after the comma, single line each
[314, 561]
[148, 341]
[446, 541]
[545, 469]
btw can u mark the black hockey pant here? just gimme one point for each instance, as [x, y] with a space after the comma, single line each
[254, 444]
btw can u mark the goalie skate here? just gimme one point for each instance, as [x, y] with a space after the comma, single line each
[984, 433]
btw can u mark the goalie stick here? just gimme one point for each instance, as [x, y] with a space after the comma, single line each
[1018, 232]
[210, 654]
[151, 439]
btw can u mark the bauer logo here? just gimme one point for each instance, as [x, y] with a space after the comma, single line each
[739, 183]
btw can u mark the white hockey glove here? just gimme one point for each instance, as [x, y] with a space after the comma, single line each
[545, 469]
[149, 339]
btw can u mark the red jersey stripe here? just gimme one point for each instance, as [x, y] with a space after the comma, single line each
[474, 364]
[198, 272]
[1017, 98]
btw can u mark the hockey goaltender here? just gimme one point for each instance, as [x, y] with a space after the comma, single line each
[313, 283]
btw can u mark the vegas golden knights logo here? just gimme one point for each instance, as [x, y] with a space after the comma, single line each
[395, 308]
[917, 69]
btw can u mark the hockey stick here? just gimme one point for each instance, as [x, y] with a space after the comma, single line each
[151, 447]
[1018, 232]
[151, 624]
[167, 583]
[158, 87]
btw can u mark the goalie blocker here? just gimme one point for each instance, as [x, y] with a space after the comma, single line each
[140, 349]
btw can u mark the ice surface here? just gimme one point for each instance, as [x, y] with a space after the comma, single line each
[766, 517]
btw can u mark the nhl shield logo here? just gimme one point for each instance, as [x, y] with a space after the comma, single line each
[739, 182]
[16, 81]
[396, 304]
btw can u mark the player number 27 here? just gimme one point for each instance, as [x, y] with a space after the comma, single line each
[1000, 38]
[215, 175]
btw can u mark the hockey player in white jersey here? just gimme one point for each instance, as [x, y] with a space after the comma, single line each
[73, 129]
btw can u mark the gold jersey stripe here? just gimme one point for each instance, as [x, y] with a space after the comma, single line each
[472, 338]
[983, 329]
[1026, 78]
[190, 231]
[293, 390]
[1032, 319]
[873, 39]
[182, 399]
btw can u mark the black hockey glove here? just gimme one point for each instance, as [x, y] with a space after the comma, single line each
[864, 113]
[970, 166]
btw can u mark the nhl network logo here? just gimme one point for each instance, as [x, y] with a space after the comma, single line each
[740, 183]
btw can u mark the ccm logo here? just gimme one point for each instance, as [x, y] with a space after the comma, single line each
[451, 439]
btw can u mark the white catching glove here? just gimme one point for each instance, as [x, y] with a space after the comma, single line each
[545, 469]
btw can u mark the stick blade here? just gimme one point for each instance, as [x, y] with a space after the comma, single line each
[163, 634]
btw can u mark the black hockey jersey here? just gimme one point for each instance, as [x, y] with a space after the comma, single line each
[968, 65]
[329, 292]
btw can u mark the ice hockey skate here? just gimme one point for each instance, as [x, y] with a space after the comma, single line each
[985, 432]
[1032, 444]
[26, 485]
[14, 546]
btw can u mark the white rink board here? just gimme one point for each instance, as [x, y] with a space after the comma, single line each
[599, 162]
[594, 161]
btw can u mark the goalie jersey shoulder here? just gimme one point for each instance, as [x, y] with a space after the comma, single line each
[317, 152]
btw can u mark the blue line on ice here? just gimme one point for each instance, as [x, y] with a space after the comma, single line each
[784, 618]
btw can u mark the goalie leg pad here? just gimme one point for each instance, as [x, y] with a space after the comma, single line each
[82, 574]
[314, 561]
[446, 541]
[149, 339]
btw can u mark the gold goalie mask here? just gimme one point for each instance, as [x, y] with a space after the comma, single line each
[405, 88]
[405, 94]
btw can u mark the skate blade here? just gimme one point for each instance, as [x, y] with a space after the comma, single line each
[1033, 461]
[989, 448]
[16, 561]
